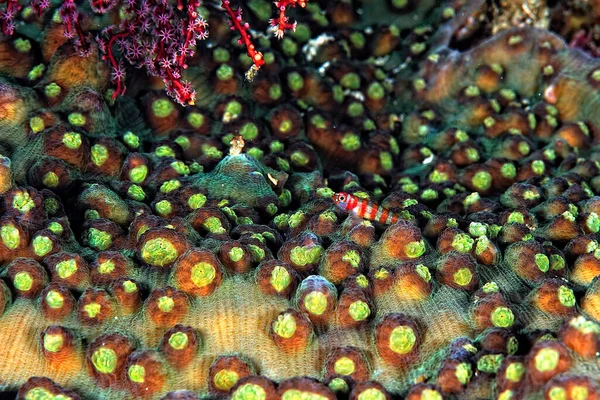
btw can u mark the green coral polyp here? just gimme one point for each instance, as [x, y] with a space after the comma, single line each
[76, 119]
[295, 81]
[276, 146]
[344, 366]
[299, 158]
[538, 167]
[52, 90]
[417, 48]
[136, 193]
[463, 277]
[523, 148]
[72, 140]
[164, 207]
[99, 239]
[316, 302]
[91, 215]
[214, 225]
[178, 340]
[415, 249]
[162, 108]
[490, 363]
[131, 140]
[566, 296]
[295, 394]
[224, 72]
[375, 91]
[557, 393]
[305, 255]
[517, 217]
[249, 131]
[350, 142]
[164, 151]
[372, 394]
[515, 371]
[236, 254]
[463, 373]
[280, 278]
[490, 287]
[165, 304]
[402, 339]
[129, 287]
[42, 245]
[482, 180]
[275, 91]
[355, 109]
[579, 392]
[285, 326]
[136, 373]
[99, 154]
[11, 238]
[385, 158]
[472, 91]
[170, 186]
[203, 274]
[183, 141]
[225, 379]
[211, 151]
[547, 359]
[23, 281]
[54, 299]
[92, 309]
[350, 80]
[593, 222]
[37, 124]
[502, 317]
[22, 202]
[430, 394]
[352, 257]
[249, 391]
[512, 346]
[53, 343]
[438, 177]
[542, 262]
[462, 242]
[477, 229]
[138, 174]
[423, 272]
[339, 385]
[106, 267]
[66, 268]
[556, 262]
[159, 251]
[196, 201]
[22, 45]
[359, 310]
[104, 360]
[473, 155]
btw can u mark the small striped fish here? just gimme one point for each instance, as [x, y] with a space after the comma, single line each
[363, 208]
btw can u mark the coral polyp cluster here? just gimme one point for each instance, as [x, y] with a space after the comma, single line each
[160, 248]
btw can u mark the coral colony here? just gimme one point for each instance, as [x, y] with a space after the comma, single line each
[300, 199]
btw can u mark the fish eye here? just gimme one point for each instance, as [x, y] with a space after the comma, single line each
[342, 197]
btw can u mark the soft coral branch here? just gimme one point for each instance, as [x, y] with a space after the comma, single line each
[236, 23]
[72, 26]
[282, 23]
[153, 34]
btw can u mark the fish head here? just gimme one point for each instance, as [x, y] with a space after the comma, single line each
[341, 200]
